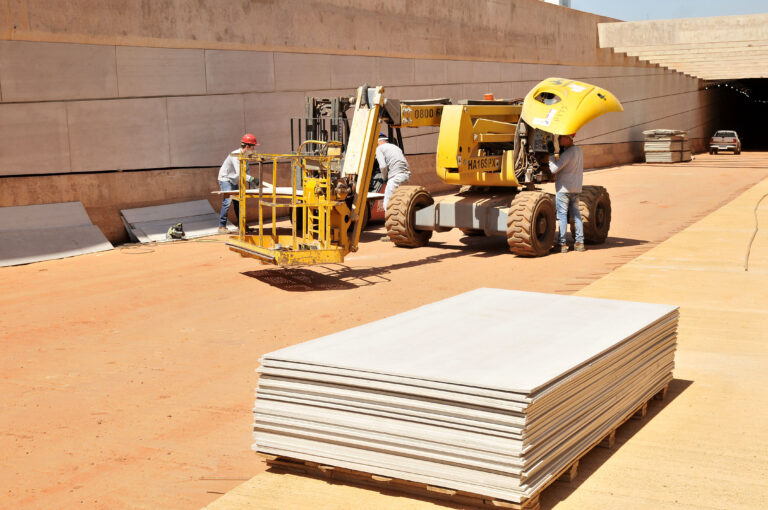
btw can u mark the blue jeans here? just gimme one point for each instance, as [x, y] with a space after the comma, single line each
[228, 186]
[565, 203]
[393, 183]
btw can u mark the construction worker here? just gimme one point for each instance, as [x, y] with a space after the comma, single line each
[569, 175]
[393, 166]
[229, 178]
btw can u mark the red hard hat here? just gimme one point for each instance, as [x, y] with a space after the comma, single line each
[249, 139]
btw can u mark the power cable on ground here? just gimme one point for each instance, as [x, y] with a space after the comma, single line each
[754, 233]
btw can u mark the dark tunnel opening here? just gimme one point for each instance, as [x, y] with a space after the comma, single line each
[742, 105]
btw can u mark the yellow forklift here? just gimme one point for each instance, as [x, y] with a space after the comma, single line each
[495, 150]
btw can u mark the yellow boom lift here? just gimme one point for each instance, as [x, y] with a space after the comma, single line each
[496, 150]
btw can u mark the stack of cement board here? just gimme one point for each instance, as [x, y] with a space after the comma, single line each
[491, 392]
[666, 146]
[151, 224]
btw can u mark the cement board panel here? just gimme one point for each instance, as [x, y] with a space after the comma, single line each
[33, 233]
[24, 247]
[436, 347]
[38, 71]
[160, 71]
[30, 217]
[22, 126]
[229, 71]
[395, 71]
[151, 224]
[167, 211]
[122, 134]
[203, 130]
[353, 71]
[268, 117]
[302, 71]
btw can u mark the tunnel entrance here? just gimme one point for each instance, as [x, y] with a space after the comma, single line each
[742, 105]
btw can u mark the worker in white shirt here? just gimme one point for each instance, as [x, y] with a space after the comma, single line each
[393, 166]
[569, 174]
[229, 178]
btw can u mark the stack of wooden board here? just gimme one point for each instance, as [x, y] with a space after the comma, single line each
[666, 146]
[492, 392]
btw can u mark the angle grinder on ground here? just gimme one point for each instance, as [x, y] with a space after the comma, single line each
[176, 232]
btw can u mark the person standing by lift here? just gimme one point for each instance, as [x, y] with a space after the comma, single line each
[229, 178]
[569, 175]
[393, 166]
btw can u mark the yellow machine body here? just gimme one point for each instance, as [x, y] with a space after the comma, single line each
[324, 227]
[466, 134]
[562, 107]
[480, 143]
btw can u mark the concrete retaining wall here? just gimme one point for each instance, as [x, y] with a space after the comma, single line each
[168, 88]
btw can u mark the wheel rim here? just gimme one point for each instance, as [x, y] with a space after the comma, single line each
[600, 216]
[542, 226]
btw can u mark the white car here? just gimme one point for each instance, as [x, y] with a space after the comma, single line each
[724, 140]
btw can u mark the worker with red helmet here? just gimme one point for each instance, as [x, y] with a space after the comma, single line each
[229, 178]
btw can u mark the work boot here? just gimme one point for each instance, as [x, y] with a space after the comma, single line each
[223, 230]
[563, 248]
[579, 247]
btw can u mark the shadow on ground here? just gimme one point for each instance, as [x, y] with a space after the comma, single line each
[343, 277]
[338, 276]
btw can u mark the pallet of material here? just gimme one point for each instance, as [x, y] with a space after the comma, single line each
[492, 392]
[667, 157]
[422, 490]
[666, 146]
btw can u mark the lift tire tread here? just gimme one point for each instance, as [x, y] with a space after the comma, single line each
[521, 223]
[596, 226]
[402, 207]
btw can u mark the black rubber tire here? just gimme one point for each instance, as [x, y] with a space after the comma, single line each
[531, 221]
[595, 208]
[403, 204]
[472, 232]
[737, 152]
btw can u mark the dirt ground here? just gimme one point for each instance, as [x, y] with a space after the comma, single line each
[128, 376]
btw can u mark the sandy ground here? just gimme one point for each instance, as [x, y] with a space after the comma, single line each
[128, 376]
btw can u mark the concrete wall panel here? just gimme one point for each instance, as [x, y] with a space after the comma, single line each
[34, 139]
[451, 91]
[396, 71]
[120, 134]
[159, 71]
[352, 72]
[268, 117]
[430, 72]
[302, 71]
[239, 71]
[457, 71]
[531, 72]
[204, 129]
[33, 71]
[510, 71]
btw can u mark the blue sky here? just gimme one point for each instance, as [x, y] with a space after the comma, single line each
[667, 9]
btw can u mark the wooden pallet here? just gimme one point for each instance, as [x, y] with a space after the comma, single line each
[340, 474]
